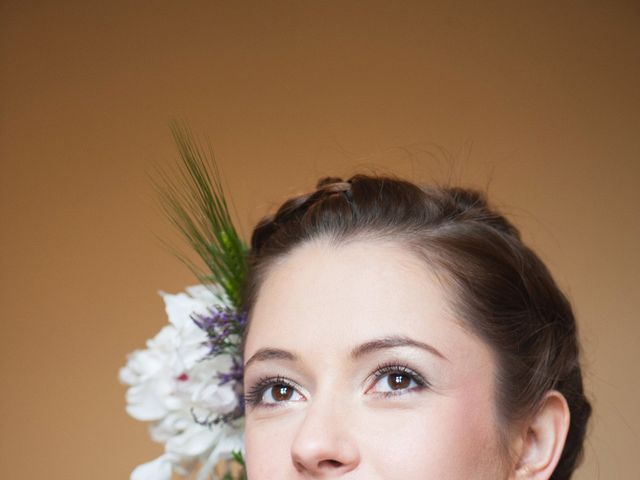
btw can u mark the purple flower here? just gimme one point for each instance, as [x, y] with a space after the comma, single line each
[224, 328]
[234, 375]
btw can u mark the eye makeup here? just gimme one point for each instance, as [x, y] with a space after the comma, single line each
[391, 379]
[281, 389]
[400, 380]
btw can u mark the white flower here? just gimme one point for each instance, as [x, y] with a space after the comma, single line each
[158, 469]
[172, 381]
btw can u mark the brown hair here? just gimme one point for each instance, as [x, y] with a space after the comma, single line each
[501, 289]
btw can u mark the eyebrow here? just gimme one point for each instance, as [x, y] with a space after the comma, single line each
[392, 342]
[270, 354]
[366, 348]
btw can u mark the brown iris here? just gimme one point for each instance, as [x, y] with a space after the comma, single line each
[281, 393]
[398, 381]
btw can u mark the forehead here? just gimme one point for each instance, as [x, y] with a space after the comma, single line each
[331, 297]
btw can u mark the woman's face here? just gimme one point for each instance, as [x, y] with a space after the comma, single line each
[356, 367]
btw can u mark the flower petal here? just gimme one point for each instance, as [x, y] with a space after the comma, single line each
[158, 469]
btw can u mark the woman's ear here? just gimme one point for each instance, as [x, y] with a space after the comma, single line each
[543, 438]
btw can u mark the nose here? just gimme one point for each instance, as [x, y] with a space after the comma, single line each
[324, 444]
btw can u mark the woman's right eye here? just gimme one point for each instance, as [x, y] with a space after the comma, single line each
[280, 393]
[273, 392]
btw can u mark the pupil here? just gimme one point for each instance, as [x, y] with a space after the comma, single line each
[399, 381]
[281, 392]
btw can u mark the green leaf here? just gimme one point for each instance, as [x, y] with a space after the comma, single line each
[237, 456]
[193, 199]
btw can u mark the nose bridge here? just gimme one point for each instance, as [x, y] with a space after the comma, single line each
[325, 441]
[328, 409]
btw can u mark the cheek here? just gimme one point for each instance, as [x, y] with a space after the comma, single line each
[449, 437]
[268, 448]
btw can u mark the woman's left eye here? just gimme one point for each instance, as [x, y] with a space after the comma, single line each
[396, 380]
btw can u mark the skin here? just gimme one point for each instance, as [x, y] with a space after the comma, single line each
[325, 320]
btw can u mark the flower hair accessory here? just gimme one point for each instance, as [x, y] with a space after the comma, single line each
[187, 382]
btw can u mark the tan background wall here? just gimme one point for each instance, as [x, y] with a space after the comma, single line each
[541, 101]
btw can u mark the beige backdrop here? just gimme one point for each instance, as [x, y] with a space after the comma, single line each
[540, 102]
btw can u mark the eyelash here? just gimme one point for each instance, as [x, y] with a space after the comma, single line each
[390, 368]
[254, 395]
